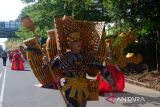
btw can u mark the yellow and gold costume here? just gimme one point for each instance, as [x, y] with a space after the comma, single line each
[63, 63]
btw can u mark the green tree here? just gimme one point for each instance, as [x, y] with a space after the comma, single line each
[41, 13]
[141, 16]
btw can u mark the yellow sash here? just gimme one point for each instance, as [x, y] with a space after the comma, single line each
[79, 88]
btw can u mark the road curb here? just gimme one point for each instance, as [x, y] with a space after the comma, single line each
[142, 84]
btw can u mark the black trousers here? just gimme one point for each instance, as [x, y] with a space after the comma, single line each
[4, 61]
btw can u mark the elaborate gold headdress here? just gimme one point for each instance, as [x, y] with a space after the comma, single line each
[74, 36]
[90, 32]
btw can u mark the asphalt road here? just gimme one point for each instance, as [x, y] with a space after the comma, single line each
[21, 89]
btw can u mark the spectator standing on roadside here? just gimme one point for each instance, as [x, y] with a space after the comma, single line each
[4, 57]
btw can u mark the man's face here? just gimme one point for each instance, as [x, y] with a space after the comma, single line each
[76, 45]
[108, 44]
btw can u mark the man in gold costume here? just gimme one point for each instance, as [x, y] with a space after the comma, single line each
[79, 45]
[74, 64]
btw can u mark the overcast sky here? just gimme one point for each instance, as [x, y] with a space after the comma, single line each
[10, 9]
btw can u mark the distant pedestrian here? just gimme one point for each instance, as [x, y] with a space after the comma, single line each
[4, 57]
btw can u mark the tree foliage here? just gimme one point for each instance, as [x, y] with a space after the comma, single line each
[139, 15]
[42, 12]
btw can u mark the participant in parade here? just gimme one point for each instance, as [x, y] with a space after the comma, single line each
[23, 52]
[72, 55]
[73, 64]
[114, 70]
[17, 62]
[10, 55]
[4, 57]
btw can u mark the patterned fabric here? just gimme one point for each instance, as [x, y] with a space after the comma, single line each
[17, 62]
[118, 79]
[73, 65]
[90, 32]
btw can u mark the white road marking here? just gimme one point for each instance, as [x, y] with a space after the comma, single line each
[3, 85]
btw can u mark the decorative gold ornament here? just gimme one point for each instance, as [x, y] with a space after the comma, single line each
[74, 36]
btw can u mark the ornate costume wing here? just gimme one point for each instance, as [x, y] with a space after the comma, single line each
[90, 31]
